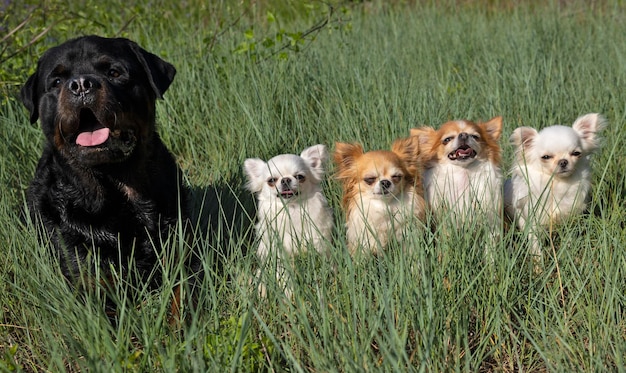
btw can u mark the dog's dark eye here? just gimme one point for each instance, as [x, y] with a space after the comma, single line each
[300, 178]
[113, 73]
[396, 178]
[546, 157]
[447, 140]
[56, 82]
[576, 154]
[271, 181]
[369, 180]
[475, 137]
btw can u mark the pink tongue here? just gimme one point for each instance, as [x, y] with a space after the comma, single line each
[94, 138]
[464, 152]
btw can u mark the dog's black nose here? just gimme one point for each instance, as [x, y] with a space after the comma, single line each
[385, 184]
[563, 163]
[285, 181]
[463, 136]
[82, 85]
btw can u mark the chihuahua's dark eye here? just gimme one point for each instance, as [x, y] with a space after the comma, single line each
[396, 178]
[271, 181]
[546, 157]
[300, 178]
[576, 154]
[369, 180]
[475, 137]
[447, 140]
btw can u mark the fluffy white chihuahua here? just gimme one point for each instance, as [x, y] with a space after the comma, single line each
[292, 212]
[551, 177]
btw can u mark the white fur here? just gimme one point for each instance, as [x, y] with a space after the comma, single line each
[542, 191]
[464, 192]
[374, 220]
[287, 226]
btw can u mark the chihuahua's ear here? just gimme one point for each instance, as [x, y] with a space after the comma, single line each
[427, 137]
[424, 134]
[345, 155]
[493, 127]
[316, 156]
[523, 136]
[587, 127]
[408, 149]
[255, 169]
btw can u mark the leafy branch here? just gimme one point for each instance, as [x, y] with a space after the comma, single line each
[283, 41]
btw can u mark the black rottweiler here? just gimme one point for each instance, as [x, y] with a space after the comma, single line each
[105, 184]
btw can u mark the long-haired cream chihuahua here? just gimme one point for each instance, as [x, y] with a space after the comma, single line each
[551, 177]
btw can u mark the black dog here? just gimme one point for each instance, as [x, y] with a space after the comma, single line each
[105, 184]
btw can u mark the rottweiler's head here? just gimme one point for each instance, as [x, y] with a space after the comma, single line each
[96, 96]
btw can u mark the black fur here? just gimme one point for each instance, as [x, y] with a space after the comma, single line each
[117, 198]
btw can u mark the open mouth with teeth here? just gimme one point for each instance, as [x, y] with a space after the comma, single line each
[287, 193]
[462, 153]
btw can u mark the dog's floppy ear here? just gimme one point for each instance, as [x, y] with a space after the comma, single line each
[587, 126]
[493, 127]
[160, 73]
[344, 156]
[316, 156]
[30, 96]
[255, 169]
[523, 136]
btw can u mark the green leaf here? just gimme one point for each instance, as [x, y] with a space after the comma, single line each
[268, 43]
[270, 17]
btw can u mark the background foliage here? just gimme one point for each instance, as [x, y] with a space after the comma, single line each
[259, 78]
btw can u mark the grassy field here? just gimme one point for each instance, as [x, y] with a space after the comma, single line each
[369, 74]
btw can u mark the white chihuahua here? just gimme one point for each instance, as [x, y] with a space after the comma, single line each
[551, 177]
[292, 213]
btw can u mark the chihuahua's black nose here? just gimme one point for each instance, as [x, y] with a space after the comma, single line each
[563, 163]
[463, 136]
[285, 181]
[385, 184]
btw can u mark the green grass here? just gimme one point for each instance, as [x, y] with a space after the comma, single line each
[371, 74]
